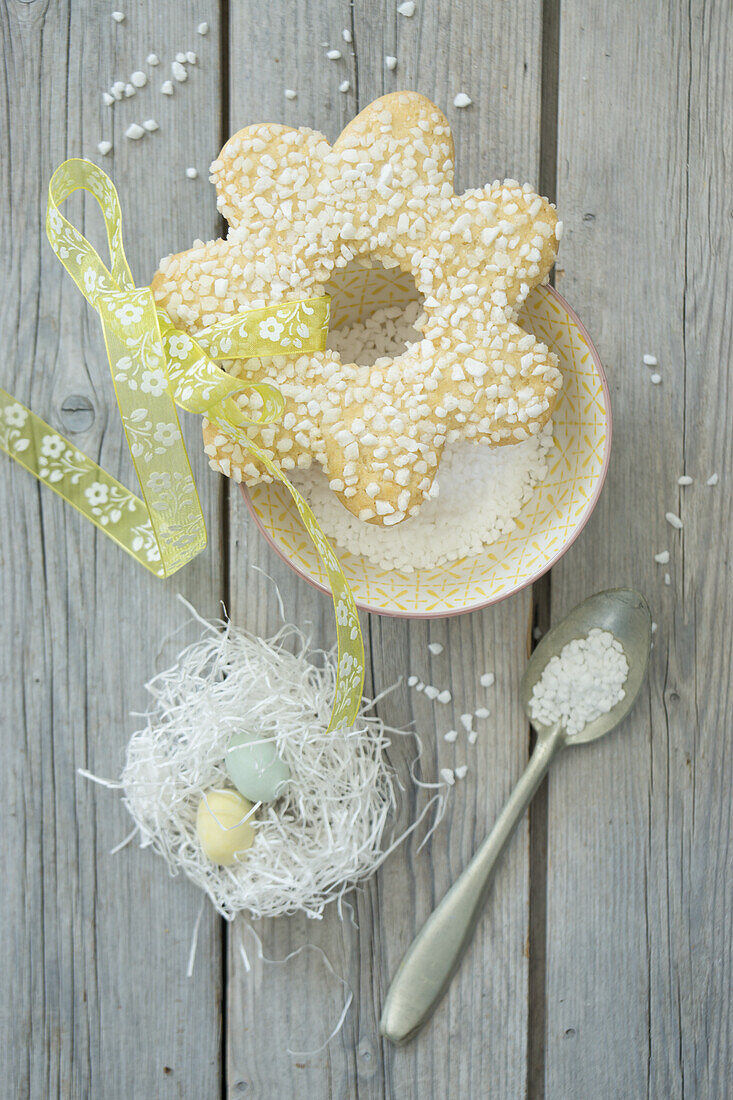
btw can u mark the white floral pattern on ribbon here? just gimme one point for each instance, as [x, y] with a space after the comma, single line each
[128, 314]
[59, 461]
[270, 330]
[109, 502]
[13, 417]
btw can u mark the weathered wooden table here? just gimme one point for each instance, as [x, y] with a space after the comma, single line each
[603, 966]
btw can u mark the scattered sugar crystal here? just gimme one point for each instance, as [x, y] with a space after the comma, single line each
[650, 360]
[192, 173]
[419, 686]
[107, 99]
[444, 696]
[166, 87]
[662, 558]
[153, 59]
[655, 379]
[139, 78]
[435, 648]
[472, 737]
[584, 681]
[181, 57]
[667, 579]
[482, 712]
[118, 89]
[134, 132]
[346, 34]
[411, 681]
[447, 775]
[191, 57]
[684, 480]
[432, 692]
[390, 61]
[179, 72]
[407, 9]
[344, 86]
[290, 93]
[104, 147]
[203, 28]
[712, 480]
[467, 721]
[150, 125]
[673, 520]
[118, 16]
[654, 628]
[487, 679]
[129, 91]
[462, 100]
[450, 736]
[333, 55]
[461, 771]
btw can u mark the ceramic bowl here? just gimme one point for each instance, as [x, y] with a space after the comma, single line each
[548, 524]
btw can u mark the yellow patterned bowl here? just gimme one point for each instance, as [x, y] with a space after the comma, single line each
[547, 525]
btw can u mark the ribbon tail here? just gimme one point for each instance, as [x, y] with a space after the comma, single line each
[351, 666]
[79, 481]
[150, 419]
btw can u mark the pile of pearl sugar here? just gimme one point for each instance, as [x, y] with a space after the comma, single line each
[379, 338]
[583, 682]
[475, 498]
[325, 832]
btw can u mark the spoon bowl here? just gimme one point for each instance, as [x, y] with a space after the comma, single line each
[624, 613]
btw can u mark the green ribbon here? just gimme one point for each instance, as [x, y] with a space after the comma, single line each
[155, 367]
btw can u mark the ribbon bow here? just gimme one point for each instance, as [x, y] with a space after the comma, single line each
[155, 367]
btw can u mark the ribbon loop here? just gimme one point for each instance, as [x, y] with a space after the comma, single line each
[154, 368]
[78, 256]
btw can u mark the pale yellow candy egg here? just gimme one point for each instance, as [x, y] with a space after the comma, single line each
[220, 825]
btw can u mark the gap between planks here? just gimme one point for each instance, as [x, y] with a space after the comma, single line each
[226, 564]
[541, 620]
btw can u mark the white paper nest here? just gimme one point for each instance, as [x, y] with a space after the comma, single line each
[324, 833]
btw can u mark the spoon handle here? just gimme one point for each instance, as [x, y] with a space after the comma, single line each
[434, 955]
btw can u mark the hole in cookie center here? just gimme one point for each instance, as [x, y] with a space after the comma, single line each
[373, 312]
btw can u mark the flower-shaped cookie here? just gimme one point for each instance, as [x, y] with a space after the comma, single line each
[298, 209]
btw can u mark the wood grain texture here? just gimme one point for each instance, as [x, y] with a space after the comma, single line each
[477, 1041]
[639, 944]
[94, 948]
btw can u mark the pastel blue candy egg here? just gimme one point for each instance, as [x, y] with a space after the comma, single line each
[254, 767]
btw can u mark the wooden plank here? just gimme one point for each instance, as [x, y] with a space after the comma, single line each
[478, 1040]
[94, 947]
[640, 864]
[286, 51]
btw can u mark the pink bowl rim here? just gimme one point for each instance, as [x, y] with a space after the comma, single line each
[370, 609]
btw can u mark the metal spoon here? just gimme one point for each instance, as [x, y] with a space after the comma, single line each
[431, 961]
